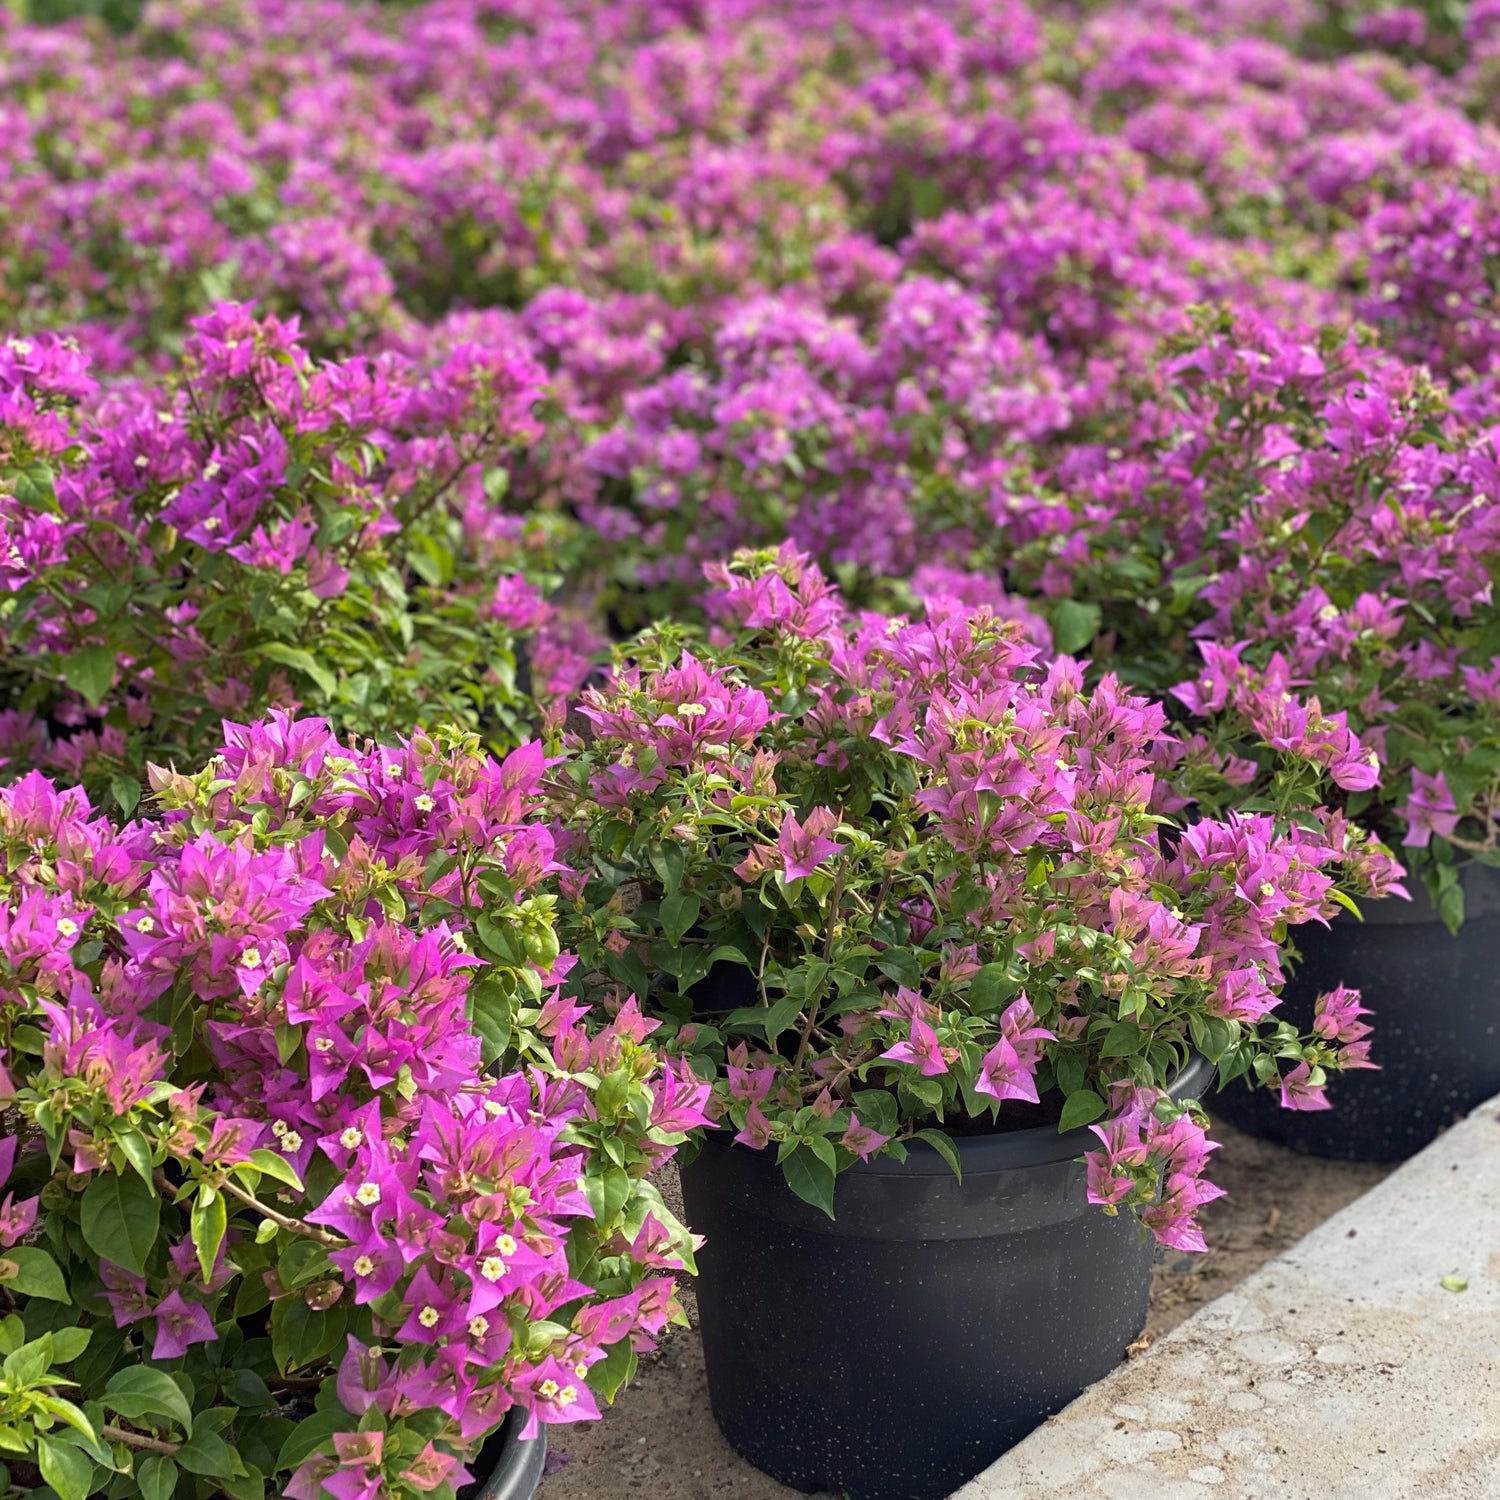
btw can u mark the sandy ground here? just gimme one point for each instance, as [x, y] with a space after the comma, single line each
[659, 1439]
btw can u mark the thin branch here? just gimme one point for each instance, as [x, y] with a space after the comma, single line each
[285, 1221]
[297, 1226]
[138, 1440]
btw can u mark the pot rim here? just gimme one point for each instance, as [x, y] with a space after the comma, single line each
[518, 1466]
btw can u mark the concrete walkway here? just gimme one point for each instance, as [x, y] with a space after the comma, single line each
[1343, 1370]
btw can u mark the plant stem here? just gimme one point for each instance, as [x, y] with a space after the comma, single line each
[137, 1440]
[297, 1226]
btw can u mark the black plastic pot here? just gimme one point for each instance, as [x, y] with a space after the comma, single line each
[506, 1468]
[893, 1352]
[1436, 1004]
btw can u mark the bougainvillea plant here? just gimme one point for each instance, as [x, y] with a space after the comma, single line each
[311, 1175]
[1315, 523]
[944, 867]
[258, 530]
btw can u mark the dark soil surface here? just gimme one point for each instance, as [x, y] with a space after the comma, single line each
[659, 1439]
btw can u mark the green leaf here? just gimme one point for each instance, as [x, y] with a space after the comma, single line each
[612, 1372]
[608, 1193]
[139, 1391]
[36, 1275]
[1451, 907]
[127, 792]
[668, 860]
[301, 1335]
[1454, 1284]
[209, 1221]
[678, 913]
[90, 671]
[810, 1178]
[312, 1436]
[68, 1344]
[1082, 1107]
[304, 662]
[208, 1454]
[156, 1477]
[251, 1485]
[68, 1471]
[136, 1149]
[991, 987]
[943, 1145]
[1074, 624]
[1347, 902]
[121, 1219]
[1125, 1039]
[301, 1262]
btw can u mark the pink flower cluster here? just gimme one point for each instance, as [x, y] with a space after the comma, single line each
[297, 971]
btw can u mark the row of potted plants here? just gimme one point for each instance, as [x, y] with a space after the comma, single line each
[922, 890]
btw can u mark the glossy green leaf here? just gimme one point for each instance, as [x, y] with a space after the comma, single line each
[139, 1391]
[121, 1219]
[36, 1274]
[1083, 1107]
[156, 1476]
[208, 1454]
[90, 672]
[677, 914]
[209, 1221]
[810, 1178]
[69, 1471]
[945, 1147]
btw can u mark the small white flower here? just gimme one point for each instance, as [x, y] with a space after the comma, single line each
[478, 1326]
[506, 1245]
[428, 1317]
[67, 926]
[567, 1395]
[424, 803]
[323, 1044]
[363, 1265]
[547, 1390]
[351, 1137]
[291, 1141]
[367, 1193]
[250, 958]
[145, 924]
[1267, 889]
[493, 1268]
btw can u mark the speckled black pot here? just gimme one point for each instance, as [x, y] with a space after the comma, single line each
[893, 1352]
[507, 1468]
[1436, 1004]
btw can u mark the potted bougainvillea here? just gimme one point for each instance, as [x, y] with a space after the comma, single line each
[1319, 520]
[254, 529]
[987, 979]
[314, 1185]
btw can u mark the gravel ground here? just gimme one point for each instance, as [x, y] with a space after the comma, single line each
[659, 1439]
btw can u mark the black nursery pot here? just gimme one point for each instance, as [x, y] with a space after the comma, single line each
[506, 1468]
[1436, 1004]
[894, 1351]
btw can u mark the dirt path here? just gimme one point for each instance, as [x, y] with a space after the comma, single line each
[659, 1440]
